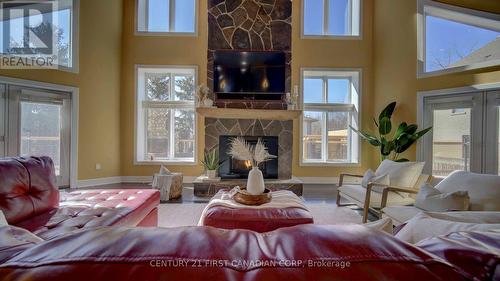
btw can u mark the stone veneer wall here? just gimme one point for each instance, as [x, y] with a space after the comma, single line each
[215, 127]
[251, 25]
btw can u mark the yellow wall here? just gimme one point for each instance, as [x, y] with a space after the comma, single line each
[157, 50]
[395, 58]
[99, 84]
[109, 51]
[192, 50]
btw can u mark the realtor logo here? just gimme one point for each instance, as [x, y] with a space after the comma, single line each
[28, 35]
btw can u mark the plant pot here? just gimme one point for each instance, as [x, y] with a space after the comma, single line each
[211, 174]
[255, 182]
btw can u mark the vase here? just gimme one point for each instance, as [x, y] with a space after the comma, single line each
[211, 174]
[255, 182]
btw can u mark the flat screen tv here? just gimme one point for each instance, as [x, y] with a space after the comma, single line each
[237, 72]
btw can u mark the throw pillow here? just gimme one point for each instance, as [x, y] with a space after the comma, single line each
[3, 220]
[402, 174]
[431, 199]
[370, 176]
[425, 225]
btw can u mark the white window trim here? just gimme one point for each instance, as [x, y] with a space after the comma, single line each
[306, 163]
[73, 177]
[422, 148]
[164, 33]
[359, 36]
[455, 13]
[137, 111]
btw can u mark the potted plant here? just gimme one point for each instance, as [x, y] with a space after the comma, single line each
[402, 139]
[242, 150]
[211, 163]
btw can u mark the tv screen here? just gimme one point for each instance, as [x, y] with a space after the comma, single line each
[249, 72]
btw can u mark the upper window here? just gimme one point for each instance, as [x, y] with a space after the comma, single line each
[43, 34]
[456, 39]
[166, 114]
[331, 18]
[331, 105]
[167, 16]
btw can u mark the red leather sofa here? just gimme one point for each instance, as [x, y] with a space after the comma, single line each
[30, 199]
[303, 252]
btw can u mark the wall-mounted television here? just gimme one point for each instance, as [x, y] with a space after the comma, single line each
[241, 72]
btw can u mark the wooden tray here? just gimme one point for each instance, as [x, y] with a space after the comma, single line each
[245, 198]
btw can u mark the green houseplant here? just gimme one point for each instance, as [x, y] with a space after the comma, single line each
[402, 139]
[211, 162]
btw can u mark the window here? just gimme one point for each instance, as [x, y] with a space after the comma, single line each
[166, 125]
[331, 105]
[441, 50]
[37, 123]
[62, 29]
[464, 135]
[167, 16]
[331, 18]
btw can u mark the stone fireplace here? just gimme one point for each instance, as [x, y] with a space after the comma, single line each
[215, 128]
[232, 168]
[250, 25]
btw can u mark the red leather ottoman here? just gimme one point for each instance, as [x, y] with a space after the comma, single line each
[260, 220]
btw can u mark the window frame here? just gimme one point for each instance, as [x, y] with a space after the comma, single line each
[326, 16]
[326, 108]
[139, 110]
[139, 18]
[452, 13]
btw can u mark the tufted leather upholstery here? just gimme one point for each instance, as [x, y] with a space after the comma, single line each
[93, 208]
[27, 187]
[260, 220]
[205, 253]
[30, 199]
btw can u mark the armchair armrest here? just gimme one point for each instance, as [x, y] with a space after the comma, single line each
[388, 189]
[342, 175]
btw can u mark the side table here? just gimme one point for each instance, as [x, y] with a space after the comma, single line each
[170, 186]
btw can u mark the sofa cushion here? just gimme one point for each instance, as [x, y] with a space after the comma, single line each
[94, 208]
[27, 187]
[484, 190]
[370, 176]
[427, 225]
[402, 174]
[400, 214]
[474, 254]
[358, 193]
[431, 199]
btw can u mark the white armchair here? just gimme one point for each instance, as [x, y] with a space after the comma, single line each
[483, 190]
[376, 196]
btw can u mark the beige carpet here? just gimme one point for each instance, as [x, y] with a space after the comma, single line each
[188, 214]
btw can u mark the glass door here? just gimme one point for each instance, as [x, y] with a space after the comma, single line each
[39, 125]
[455, 140]
[492, 134]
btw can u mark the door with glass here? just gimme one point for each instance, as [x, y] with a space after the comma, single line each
[465, 133]
[39, 125]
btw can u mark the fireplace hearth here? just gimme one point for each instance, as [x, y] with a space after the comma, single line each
[237, 169]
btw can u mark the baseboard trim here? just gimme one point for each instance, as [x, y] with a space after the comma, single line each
[124, 179]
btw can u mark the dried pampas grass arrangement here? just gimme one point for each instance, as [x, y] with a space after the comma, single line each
[240, 149]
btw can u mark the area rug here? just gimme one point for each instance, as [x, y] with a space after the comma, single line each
[188, 214]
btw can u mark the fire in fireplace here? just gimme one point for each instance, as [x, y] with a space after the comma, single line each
[238, 169]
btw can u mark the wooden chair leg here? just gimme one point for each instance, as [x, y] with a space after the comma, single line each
[338, 198]
[367, 203]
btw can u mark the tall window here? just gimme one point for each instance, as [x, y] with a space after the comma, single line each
[331, 18]
[63, 29]
[166, 114]
[454, 39]
[331, 105]
[465, 132]
[167, 16]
